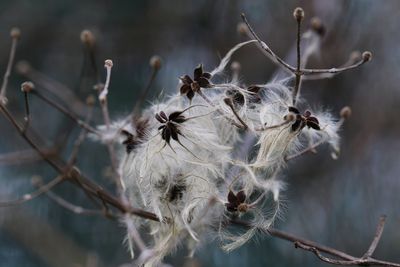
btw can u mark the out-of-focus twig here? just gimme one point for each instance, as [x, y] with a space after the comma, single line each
[15, 34]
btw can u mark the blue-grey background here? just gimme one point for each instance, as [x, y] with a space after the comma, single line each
[337, 203]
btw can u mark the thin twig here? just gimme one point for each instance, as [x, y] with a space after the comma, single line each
[108, 64]
[333, 70]
[27, 197]
[15, 34]
[37, 182]
[59, 90]
[144, 92]
[71, 207]
[24, 156]
[65, 111]
[311, 148]
[275, 58]
[318, 249]
[296, 90]
[377, 237]
[82, 135]
[229, 103]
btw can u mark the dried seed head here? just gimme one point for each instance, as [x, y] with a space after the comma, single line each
[108, 63]
[298, 14]
[366, 56]
[15, 33]
[90, 100]
[345, 113]
[241, 28]
[228, 101]
[87, 38]
[23, 67]
[290, 117]
[318, 26]
[243, 207]
[27, 87]
[195, 86]
[235, 66]
[155, 62]
[36, 181]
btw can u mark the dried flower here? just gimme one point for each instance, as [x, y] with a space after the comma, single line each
[200, 80]
[304, 120]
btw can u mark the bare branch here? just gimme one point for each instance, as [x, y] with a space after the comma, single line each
[366, 56]
[65, 111]
[377, 237]
[265, 48]
[15, 34]
[62, 92]
[155, 64]
[30, 196]
[298, 15]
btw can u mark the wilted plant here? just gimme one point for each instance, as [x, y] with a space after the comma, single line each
[205, 158]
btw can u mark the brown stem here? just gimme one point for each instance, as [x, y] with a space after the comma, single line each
[3, 90]
[275, 58]
[27, 197]
[65, 111]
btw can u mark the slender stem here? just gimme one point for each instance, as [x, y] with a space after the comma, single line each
[306, 150]
[230, 104]
[298, 74]
[377, 237]
[108, 64]
[3, 90]
[333, 70]
[200, 93]
[275, 58]
[82, 135]
[27, 111]
[71, 207]
[144, 92]
[65, 112]
[272, 126]
[27, 197]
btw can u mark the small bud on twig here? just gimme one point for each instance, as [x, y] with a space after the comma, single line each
[87, 38]
[345, 113]
[318, 26]
[228, 101]
[90, 100]
[108, 63]
[290, 117]
[298, 14]
[235, 66]
[23, 67]
[155, 62]
[27, 87]
[241, 28]
[15, 33]
[366, 56]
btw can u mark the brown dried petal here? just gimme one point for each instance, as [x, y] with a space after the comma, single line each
[185, 88]
[203, 82]
[190, 94]
[231, 197]
[241, 196]
[198, 72]
[294, 110]
[207, 75]
[186, 79]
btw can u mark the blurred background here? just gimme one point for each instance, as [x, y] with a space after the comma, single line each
[336, 203]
